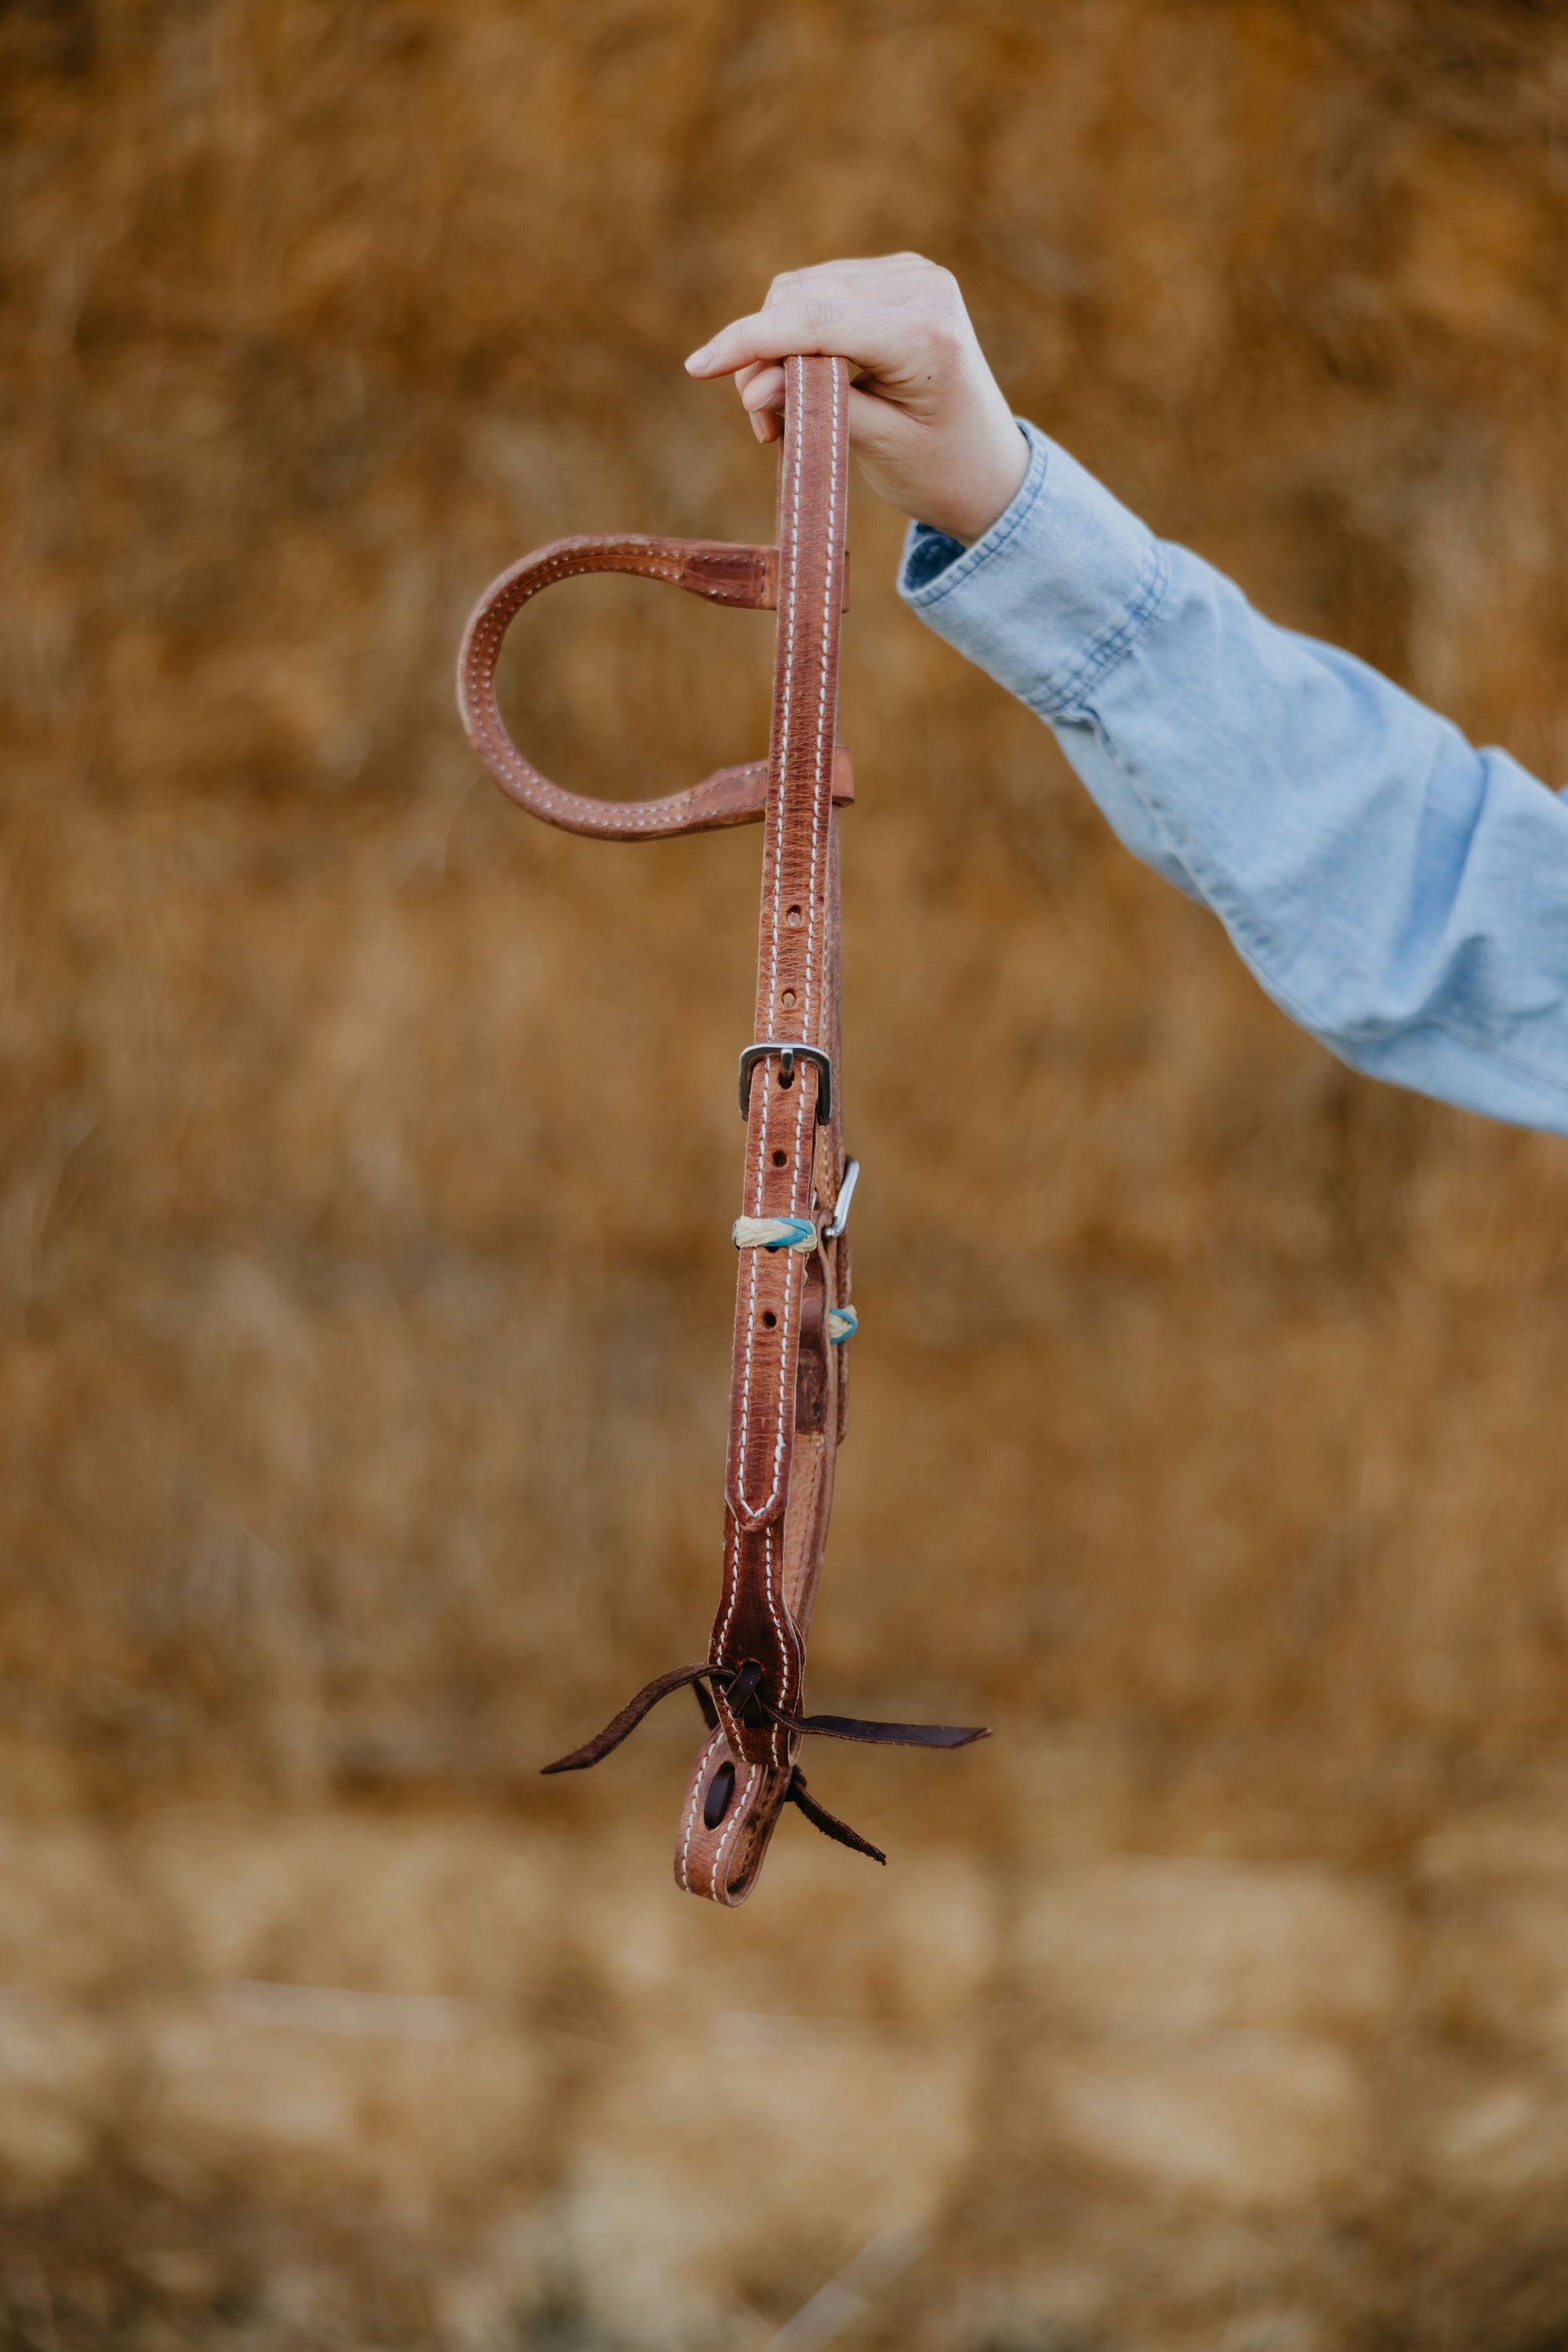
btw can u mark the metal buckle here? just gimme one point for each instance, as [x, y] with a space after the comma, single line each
[786, 1048]
[830, 1232]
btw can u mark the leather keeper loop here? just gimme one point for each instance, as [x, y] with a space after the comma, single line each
[726, 575]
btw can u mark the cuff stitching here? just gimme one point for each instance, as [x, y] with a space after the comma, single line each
[1059, 695]
[1025, 500]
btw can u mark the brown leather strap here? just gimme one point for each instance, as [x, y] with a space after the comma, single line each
[779, 1476]
[788, 1389]
[725, 575]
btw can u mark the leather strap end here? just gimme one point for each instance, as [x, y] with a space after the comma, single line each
[883, 1735]
[735, 574]
[731, 1808]
[728, 573]
[620, 1726]
[829, 1823]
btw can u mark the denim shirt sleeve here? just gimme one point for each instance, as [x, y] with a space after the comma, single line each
[1400, 894]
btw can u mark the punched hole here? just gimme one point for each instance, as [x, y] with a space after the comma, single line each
[780, 1158]
[716, 1803]
[787, 998]
[769, 1319]
[792, 916]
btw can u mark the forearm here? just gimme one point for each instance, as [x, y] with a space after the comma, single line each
[1397, 892]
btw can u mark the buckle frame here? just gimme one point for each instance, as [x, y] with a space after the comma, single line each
[786, 1048]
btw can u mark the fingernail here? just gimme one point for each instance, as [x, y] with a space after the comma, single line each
[696, 358]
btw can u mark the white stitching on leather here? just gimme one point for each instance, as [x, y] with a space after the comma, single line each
[752, 1305]
[821, 712]
[733, 1581]
[690, 1822]
[798, 1173]
[794, 544]
[746, 1799]
[778, 1632]
[732, 1571]
[791, 547]
[762, 1164]
[788, 1304]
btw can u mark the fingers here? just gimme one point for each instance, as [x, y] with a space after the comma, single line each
[898, 319]
[899, 281]
[762, 391]
[868, 334]
[854, 275]
[868, 420]
[764, 387]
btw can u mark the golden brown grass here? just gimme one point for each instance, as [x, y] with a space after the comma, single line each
[362, 1377]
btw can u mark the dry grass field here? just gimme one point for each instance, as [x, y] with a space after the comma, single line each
[367, 1154]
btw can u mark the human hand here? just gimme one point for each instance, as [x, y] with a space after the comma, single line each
[927, 419]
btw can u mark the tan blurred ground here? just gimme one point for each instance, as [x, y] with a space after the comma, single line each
[362, 1386]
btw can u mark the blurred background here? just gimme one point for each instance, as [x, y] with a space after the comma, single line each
[369, 1155]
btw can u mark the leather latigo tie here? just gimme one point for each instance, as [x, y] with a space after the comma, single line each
[789, 1387]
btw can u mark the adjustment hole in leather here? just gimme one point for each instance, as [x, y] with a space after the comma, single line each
[792, 916]
[779, 1158]
[787, 998]
[769, 1319]
[716, 1803]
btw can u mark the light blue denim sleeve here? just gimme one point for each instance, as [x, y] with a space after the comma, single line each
[1400, 894]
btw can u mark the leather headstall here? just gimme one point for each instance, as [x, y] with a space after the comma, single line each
[789, 1391]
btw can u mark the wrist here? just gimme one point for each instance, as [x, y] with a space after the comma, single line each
[968, 507]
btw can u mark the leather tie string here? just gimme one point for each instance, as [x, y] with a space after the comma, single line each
[743, 1686]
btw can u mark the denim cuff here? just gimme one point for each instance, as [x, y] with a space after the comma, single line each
[1053, 594]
